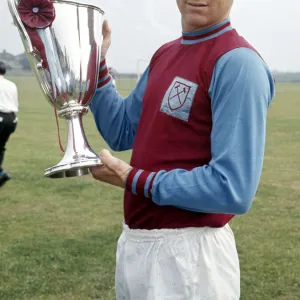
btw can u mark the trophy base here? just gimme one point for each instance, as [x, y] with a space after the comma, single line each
[79, 156]
[73, 169]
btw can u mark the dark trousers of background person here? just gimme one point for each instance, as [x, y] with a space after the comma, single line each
[8, 125]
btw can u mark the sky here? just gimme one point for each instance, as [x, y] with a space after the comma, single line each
[140, 27]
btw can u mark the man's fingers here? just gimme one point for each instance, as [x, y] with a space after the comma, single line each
[96, 169]
[119, 167]
[104, 174]
[106, 31]
[110, 164]
[100, 172]
[114, 171]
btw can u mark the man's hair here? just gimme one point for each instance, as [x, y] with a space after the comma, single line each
[2, 68]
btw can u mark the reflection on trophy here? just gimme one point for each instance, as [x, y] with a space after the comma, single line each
[62, 40]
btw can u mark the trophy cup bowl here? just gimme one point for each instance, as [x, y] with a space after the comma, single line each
[62, 40]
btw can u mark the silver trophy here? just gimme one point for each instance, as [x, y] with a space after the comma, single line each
[63, 41]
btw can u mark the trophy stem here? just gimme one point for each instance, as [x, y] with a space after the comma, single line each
[78, 156]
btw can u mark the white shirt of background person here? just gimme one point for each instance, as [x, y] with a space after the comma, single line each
[8, 96]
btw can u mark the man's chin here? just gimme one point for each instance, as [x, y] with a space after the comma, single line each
[196, 24]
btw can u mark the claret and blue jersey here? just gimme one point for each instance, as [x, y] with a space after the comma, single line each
[196, 123]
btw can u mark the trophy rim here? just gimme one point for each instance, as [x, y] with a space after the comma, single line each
[76, 3]
[80, 3]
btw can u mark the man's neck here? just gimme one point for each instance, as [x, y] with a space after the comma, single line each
[193, 37]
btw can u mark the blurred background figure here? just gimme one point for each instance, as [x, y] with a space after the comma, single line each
[8, 116]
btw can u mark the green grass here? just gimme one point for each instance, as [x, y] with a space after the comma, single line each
[58, 237]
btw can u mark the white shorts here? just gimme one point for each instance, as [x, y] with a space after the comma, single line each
[177, 264]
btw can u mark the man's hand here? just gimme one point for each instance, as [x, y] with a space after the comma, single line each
[114, 171]
[106, 32]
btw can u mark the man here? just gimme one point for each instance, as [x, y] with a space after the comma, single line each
[196, 123]
[8, 118]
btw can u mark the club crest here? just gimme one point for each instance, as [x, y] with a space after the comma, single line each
[178, 95]
[178, 99]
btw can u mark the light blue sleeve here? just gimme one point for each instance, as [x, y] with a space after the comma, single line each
[117, 118]
[241, 91]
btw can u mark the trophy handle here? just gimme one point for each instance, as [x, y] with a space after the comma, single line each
[34, 58]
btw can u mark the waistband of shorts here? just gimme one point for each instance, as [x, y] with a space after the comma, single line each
[157, 234]
[8, 113]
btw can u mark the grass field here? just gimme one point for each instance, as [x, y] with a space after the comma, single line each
[58, 237]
